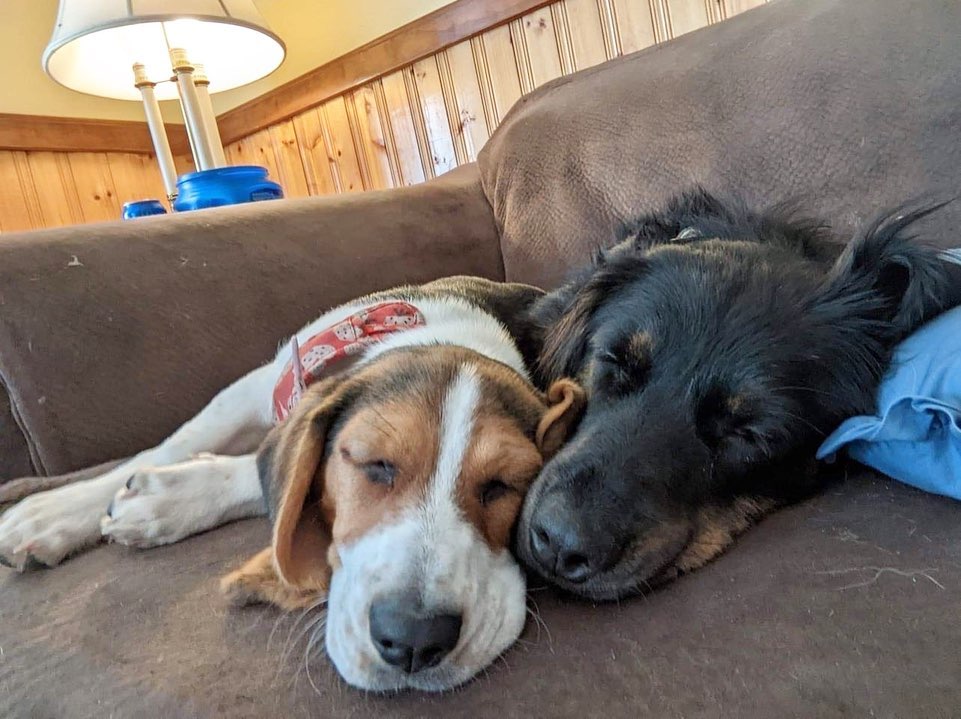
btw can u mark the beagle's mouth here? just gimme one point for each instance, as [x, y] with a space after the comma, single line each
[440, 628]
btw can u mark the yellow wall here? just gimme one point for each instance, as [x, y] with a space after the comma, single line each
[315, 31]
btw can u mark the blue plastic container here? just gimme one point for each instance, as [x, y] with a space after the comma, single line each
[225, 186]
[142, 208]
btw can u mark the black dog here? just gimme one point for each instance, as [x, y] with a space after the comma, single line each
[718, 346]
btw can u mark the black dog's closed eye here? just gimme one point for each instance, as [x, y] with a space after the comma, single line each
[381, 472]
[721, 417]
[625, 367]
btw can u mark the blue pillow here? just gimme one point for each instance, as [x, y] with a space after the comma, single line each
[916, 435]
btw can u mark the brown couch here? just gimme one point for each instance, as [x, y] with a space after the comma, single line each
[111, 335]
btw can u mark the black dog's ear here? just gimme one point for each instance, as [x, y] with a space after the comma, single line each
[694, 213]
[566, 330]
[565, 315]
[887, 279]
[552, 316]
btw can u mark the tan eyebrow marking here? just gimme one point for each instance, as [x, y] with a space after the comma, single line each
[639, 347]
[736, 402]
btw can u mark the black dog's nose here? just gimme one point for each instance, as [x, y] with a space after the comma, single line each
[411, 640]
[558, 544]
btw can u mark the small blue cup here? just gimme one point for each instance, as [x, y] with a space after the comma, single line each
[142, 208]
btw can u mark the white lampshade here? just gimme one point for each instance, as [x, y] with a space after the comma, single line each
[95, 43]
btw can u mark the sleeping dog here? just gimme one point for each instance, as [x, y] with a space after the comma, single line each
[393, 485]
[718, 347]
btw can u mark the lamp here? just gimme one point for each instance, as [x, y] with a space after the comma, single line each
[152, 50]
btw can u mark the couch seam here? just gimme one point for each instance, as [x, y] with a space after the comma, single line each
[36, 461]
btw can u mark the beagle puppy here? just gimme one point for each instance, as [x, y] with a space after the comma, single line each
[392, 482]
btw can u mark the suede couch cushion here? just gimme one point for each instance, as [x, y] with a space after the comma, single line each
[846, 606]
[847, 106]
[112, 335]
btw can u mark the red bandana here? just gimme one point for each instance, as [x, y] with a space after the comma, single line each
[332, 346]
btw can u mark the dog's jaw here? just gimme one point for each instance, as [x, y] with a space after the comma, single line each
[463, 574]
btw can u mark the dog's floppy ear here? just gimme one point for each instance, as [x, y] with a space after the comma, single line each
[566, 325]
[887, 280]
[565, 315]
[294, 571]
[566, 400]
[293, 484]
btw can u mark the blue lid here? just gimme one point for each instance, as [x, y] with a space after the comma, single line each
[142, 208]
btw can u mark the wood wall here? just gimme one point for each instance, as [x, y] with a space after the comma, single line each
[50, 189]
[409, 125]
[434, 114]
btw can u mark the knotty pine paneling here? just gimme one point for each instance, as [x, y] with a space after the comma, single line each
[399, 123]
[341, 146]
[472, 119]
[406, 126]
[50, 189]
[436, 112]
[313, 153]
[426, 118]
[591, 31]
[365, 110]
[290, 172]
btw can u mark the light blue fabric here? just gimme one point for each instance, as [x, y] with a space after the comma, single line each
[916, 436]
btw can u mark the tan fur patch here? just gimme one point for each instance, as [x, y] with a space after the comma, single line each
[405, 433]
[639, 347]
[717, 527]
[664, 537]
[510, 413]
[736, 403]
[301, 537]
[256, 582]
[499, 451]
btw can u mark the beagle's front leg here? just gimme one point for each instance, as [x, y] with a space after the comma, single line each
[44, 528]
[166, 504]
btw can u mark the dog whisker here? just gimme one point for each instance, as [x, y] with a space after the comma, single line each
[310, 678]
[534, 611]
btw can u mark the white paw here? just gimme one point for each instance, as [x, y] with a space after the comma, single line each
[43, 529]
[163, 505]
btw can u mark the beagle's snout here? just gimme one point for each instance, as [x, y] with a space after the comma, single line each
[411, 640]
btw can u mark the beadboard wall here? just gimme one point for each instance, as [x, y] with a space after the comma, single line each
[426, 118]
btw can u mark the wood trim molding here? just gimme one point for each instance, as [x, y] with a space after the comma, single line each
[416, 40]
[72, 134]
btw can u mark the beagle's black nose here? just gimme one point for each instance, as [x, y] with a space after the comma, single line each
[411, 640]
[559, 546]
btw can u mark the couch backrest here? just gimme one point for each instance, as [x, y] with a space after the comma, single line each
[848, 106]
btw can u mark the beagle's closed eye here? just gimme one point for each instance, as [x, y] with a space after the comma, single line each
[380, 472]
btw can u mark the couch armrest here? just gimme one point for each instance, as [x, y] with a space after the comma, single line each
[111, 335]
